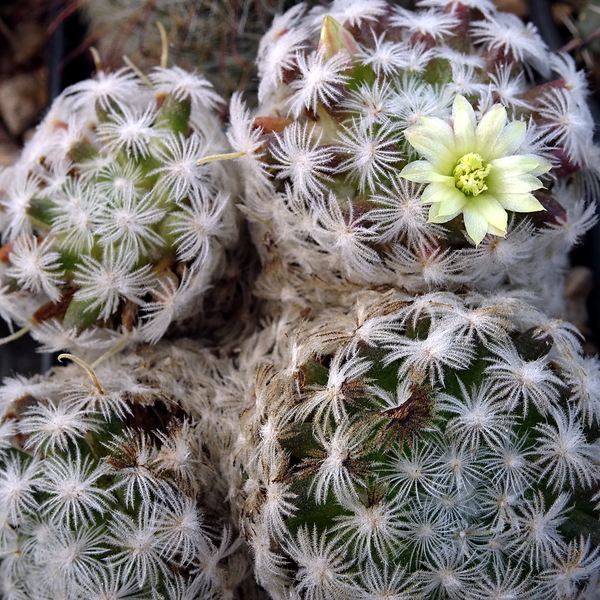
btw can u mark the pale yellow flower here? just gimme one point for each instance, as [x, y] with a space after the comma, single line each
[472, 168]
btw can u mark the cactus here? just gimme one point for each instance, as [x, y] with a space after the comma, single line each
[437, 447]
[109, 483]
[415, 149]
[111, 228]
[407, 420]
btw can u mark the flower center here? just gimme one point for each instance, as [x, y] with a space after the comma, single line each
[470, 173]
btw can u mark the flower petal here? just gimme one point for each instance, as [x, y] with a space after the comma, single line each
[434, 140]
[494, 231]
[519, 202]
[437, 129]
[434, 218]
[419, 171]
[520, 163]
[520, 184]
[464, 126]
[491, 210]
[452, 204]
[441, 193]
[509, 140]
[489, 130]
[475, 224]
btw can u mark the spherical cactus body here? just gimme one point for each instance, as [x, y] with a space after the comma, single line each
[110, 484]
[441, 446]
[414, 148]
[110, 227]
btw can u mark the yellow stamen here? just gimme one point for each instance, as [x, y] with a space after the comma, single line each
[470, 173]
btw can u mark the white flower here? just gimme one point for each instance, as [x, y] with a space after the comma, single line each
[473, 169]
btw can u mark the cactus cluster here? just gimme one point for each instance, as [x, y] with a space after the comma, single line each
[110, 226]
[397, 412]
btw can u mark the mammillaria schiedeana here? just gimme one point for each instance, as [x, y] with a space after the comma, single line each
[109, 224]
[408, 421]
[437, 447]
[414, 148]
[110, 483]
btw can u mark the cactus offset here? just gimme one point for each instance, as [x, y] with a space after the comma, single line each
[111, 484]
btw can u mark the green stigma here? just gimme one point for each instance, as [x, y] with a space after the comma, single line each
[470, 173]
